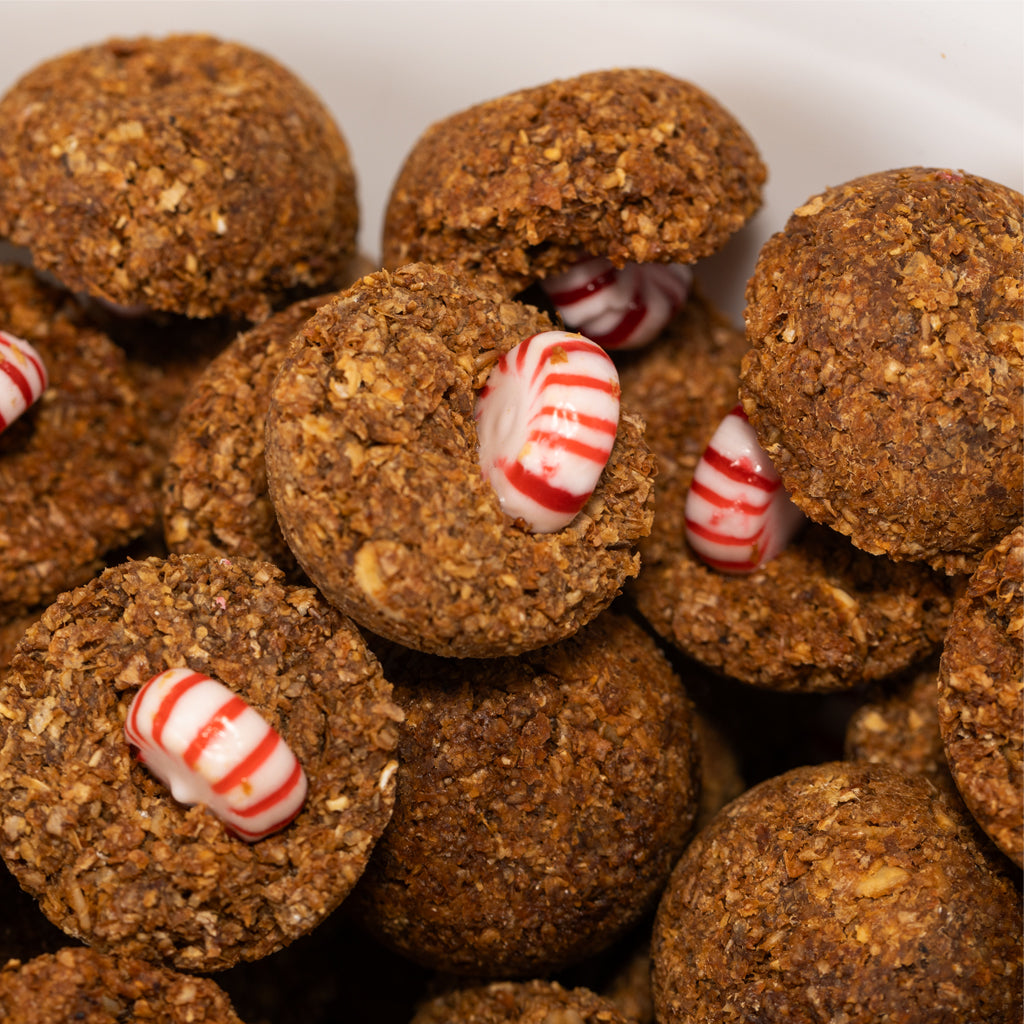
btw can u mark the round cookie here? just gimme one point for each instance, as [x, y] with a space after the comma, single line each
[112, 858]
[542, 801]
[840, 891]
[630, 164]
[374, 473]
[981, 695]
[79, 470]
[185, 174]
[215, 497]
[822, 615]
[885, 374]
[81, 984]
[522, 1002]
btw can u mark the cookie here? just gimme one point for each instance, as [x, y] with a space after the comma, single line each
[524, 1002]
[981, 695]
[111, 856]
[629, 164]
[822, 616]
[183, 174]
[840, 891]
[885, 373]
[80, 469]
[215, 497]
[77, 983]
[373, 469]
[542, 801]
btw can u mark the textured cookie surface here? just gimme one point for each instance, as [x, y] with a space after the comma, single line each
[112, 858]
[886, 367]
[82, 984]
[631, 164]
[215, 498]
[79, 470]
[842, 891]
[374, 474]
[542, 801]
[822, 615]
[981, 695]
[527, 1002]
[184, 174]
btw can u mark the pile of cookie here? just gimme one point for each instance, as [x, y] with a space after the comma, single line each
[495, 631]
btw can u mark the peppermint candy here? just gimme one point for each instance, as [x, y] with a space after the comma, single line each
[546, 421]
[208, 746]
[738, 515]
[619, 308]
[22, 377]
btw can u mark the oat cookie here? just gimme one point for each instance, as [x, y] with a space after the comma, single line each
[111, 856]
[184, 174]
[373, 469]
[981, 695]
[81, 984]
[523, 1002]
[822, 615]
[631, 164]
[841, 891]
[886, 373]
[542, 801]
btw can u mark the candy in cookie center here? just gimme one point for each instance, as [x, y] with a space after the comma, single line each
[546, 423]
[23, 377]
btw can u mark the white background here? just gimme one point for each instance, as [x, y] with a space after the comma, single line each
[829, 90]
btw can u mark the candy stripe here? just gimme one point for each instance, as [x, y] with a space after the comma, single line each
[738, 469]
[180, 688]
[713, 497]
[718, 537]
[598, 423]
[555, 499]
[228, 712]
[250, 765]
[18, 379]
[570, 296]
[23, 378]
[273, 798]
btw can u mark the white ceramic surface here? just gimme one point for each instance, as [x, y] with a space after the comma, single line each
[829, 90]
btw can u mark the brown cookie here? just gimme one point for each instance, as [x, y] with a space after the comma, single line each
[215, 497]
[79, 469]
[822, 615]
[885, 374]
[981, 695]
[840, 891]
[81, 984]
[183, 174]
[523, 1002]
[112, 858]
[542, 801]
[374, 474]
[630, 164]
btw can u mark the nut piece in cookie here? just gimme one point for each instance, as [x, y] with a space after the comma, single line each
[886, 373]
[374, 472]
[542, 801]
[840, 891]
[575, 182]
[111, 856]
[184, 174]
[981, 695]
[72, 983]
[821, 615]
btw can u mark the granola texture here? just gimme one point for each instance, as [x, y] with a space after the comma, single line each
[542, 801]
[632, 164]
[81, 984]
[822, 616]
[520, 1002]
[885, 375]
[371, 455]
[111, 857]
[981, 695]
[185, 174]
[79, 470]
[842, 891]
[215, 497]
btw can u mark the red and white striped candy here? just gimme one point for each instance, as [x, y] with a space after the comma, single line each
[208, 746]
[22, 377]
[738, 515]
[546, 422]
[619, 308]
